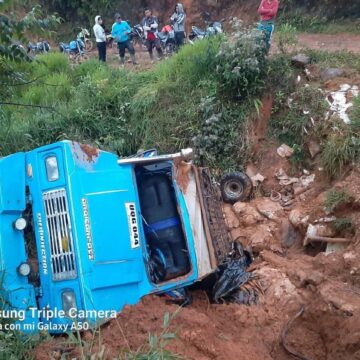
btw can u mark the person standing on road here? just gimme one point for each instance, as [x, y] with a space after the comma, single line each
[121, 33]
[268, 10]
[178, 21]
[150, 25]
[100, 36]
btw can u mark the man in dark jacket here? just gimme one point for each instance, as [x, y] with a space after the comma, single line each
[178, 21]
[150, 25]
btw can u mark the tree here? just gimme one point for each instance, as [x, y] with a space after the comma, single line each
[12, 36]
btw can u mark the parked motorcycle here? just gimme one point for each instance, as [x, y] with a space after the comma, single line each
[75, 50]
[214, 28]
[137, 35]
[167, 39]
[84, 35]
[39, 48]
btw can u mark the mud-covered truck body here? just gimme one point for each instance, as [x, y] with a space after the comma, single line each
[84, 233]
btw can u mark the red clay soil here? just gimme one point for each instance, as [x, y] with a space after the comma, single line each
[327, 286]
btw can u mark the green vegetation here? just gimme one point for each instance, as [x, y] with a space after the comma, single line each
[15, 346]
[197, 98]
[320, 24]
[286, 36]
[336, 198]
[343, 226]
[156, 347]
[324, 59]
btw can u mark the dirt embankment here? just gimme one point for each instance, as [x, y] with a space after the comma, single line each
[325, 284]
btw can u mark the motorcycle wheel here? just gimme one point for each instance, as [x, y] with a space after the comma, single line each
[80, 58]
[88, 45]
[235, 186]
[170, 49]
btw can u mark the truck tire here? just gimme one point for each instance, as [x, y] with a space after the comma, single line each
[235, 186]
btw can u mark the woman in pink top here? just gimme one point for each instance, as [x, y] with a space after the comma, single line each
[268, 10]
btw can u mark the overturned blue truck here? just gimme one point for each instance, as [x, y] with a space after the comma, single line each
[84, 233]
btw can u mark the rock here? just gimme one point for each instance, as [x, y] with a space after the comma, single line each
[296, 218]
[340, 296]
[309, 277]
[247, 214]
[300, 60]
[261, 239]
[331, 73]
[320, 230]
[230, 217]
[289, 235]
[285, 151]
[251, 170]
[314, 148]
[270, 209]
[258, 178]
[331, 248]
[307, 180]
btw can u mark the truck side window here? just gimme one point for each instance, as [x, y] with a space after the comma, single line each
[52, 169]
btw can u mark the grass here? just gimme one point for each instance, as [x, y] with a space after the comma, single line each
[319, 24]
[123, 111]
[326, 59]
[343, 226]
[335, 199]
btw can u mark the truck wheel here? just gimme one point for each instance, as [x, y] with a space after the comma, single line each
[235, 186]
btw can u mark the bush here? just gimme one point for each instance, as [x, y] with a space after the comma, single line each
[338, 151]
[355, 116]
[298, 115]
[343, 226]
[336, 198]
[220, 139]
[241, 65]
[286, 36]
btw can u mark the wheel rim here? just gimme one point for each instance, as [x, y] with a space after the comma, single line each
[233, 188]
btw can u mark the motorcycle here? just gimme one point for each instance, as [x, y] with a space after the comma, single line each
[214, 28]
[84, 36]
[167, 39]
[75, 50]
[137, 35]
[38, 48]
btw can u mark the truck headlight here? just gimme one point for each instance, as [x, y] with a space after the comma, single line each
[20, 224]
[52, 169]
[24, 269]
[68, 300]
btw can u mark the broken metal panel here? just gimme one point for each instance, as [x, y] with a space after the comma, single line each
[191, 197]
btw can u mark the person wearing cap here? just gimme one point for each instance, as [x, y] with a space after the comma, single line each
[150, 25]
[268, 10]
[121, 33]
[100, 36]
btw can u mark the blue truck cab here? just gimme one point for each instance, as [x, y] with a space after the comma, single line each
[84, 233]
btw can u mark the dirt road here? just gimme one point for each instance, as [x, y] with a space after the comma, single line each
[331, 42]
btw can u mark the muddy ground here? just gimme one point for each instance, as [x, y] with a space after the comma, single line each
[324, 285]
[293, 277]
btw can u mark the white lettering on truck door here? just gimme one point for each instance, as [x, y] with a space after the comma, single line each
[133, 225]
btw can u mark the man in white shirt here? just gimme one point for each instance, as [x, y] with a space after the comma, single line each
[100, 36]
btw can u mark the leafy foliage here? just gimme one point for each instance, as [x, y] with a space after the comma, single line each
[156, 347]
[336, 198]
[343, 226]
[242, 65]
[286, 35]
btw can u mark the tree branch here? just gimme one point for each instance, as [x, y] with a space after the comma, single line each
[32, 106]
